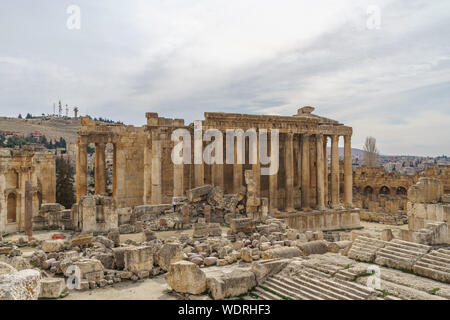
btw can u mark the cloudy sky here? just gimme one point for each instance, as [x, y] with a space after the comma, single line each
[181, 58]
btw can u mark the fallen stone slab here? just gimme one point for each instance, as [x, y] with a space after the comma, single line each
[138, 259]
[5, 268]
[186, 277]
[52, 245]
[313, 247]
[52, 288]
[168, 254]
[336, 247]
[21, 285]
[232, 283]
[245, 225]
[196, 194]
[266, 268]
[281, 252]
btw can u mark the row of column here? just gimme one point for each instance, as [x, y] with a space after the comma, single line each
[217, 173]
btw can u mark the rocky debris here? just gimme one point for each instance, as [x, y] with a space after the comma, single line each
[137, 259]
[105, 241]
[169, 253]
[149, 235]
[202, 230]
[339, 246]
[313, 247]
[6, 268]
[52, 245]
[114, 235]
[6, 250]
[186, 277]
[281, 252]
[82, 240]
[37, 258]
[20, 285]
[386, 235]
[52, 288]
[198, 194]
[245, 225]
[90, 269]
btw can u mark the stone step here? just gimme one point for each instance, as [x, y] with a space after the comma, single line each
[359, 287]
[315, 273]
[361, 255]
[411, 244]
[288, 291]
[437, 258]
[404, 251]
[266, 295]
[365, 246]
[296, 288]
[397, 255]
[309, 287]
[392, 256]
[332, 286]
[444, 251]
[432, 273]
[345, 275]
[441, 256]
[347, 287]
[432, 266]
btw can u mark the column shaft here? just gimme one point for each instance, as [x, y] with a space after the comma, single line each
[156, 168]
[325, 167]
[81, 179]
[100, 168]
[289, 171]
[348, 171]
[320, 173]
[334, 171]
[305, 173]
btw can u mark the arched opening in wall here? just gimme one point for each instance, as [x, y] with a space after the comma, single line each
[367, 196]
[401, 191]
[385, 190]
[12, 208]
[356, 190]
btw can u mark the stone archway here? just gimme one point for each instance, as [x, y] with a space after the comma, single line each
[401, 191]
[385, 190]
[11, 208]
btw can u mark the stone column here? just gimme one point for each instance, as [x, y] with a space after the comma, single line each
[199, 169]
[28, 209]
[256, 169]
[178, 181]
[81, 179]
[237, 168]
[320, 173]
[325, 168]
[100, 168]
[334, 171]
[305, 173]
[348, 188]
[273, 186]
[147, 173]
[289, 171]
[156, 168]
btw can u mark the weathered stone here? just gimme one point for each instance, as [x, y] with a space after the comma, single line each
[81, 240]
[245, 225]
[266, 268]
[138, 259]
[6, 268]
[210, 261]
[169, 253]
[336, 247]
[37, 258]
[52, 288]
[186, 277]
[230, 284]
[21, 285]
[281, 252]
[386, 235]
[52, 245]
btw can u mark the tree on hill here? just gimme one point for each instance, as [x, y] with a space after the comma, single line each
[371, 152]
[20, 116]
[65, 192]
[29, 116]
